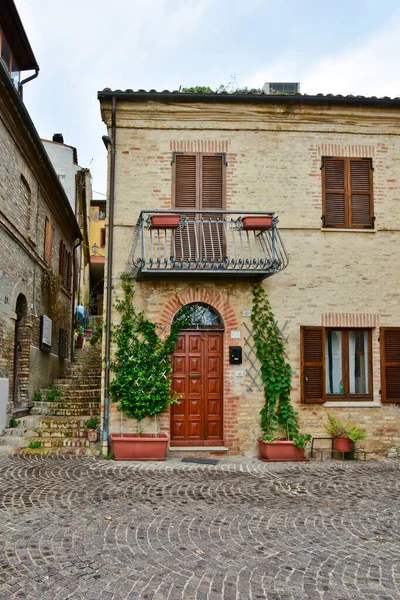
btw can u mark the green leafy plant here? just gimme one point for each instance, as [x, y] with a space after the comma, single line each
[34, 444]
[51, 284]
[37, 396]
[198, 89]
[91, 423]
[13, 422]
[97, 333]
[336, 427]
[277, 414]
[142, 370]
[52, 393]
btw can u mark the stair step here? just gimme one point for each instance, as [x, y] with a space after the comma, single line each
[86, 451]
[67, 412]
[47, 432]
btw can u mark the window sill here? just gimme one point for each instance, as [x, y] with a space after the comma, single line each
[354, 404]
[348, 230]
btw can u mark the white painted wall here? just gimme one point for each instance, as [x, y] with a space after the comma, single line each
[62, 157]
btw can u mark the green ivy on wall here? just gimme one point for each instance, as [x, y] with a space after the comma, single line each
[277, 414]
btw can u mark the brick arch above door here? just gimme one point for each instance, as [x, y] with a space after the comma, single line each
[211, 297]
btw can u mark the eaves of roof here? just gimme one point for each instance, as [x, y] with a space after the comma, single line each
[247, 97]
[14, 31]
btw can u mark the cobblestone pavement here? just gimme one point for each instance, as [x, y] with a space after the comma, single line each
[78, 528]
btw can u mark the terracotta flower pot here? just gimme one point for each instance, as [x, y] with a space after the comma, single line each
[165, 221]
[79, 341]
[282, 450]
[256, 223]
[131, 446]
[88, 333]
[342, 443]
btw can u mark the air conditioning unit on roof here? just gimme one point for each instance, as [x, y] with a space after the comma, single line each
[281, 88]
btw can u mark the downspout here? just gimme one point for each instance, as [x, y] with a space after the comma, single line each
[110, 211]
[21, 83]
[75, 246]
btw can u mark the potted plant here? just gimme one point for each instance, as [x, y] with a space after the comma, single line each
[281, 439]
[142, 378]
[345, 435]
[91, 427]
[165, 221]
[259, 223]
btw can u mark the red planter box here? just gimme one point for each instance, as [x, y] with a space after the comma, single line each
[256, 223]
[282, 450]
[342, 443]
[131, 446]
[165, 221]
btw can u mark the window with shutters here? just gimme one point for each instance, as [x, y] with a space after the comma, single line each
[390, 364]
[347, 193]
[199, 184]
[336, 364]
[65, 266]
[48, 241]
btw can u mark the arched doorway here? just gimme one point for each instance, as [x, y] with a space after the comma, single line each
[20, 374]
[197, 416]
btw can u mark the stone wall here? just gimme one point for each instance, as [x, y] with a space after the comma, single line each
[274, 159]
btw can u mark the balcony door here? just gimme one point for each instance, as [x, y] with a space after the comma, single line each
[197, 416]
[199, 184]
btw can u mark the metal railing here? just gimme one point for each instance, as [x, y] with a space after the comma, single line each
[213, 242]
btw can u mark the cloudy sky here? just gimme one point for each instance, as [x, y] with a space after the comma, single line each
[82, 46]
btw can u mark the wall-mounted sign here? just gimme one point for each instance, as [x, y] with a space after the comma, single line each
[46, 326]
[235, 334]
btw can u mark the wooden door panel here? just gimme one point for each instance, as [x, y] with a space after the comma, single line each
[179, 365]
[195, 343]
[197, 418]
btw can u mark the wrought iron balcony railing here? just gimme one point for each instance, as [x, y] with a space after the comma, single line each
[213, 243]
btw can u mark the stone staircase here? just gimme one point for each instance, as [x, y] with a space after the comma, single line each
[56, 422]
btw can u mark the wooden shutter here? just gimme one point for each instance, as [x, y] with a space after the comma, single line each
[390, 364]
[312, 341]
[334, 192]
[102, 237]
[69, 270]
[186, 197]
[61, 263]
[48, 241]
[211, 197]
[360, 192]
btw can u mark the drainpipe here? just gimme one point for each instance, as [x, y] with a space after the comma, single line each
[109, 143]
[75, 246]
[21, 83]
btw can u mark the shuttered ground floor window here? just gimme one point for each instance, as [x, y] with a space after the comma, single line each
[336, 364]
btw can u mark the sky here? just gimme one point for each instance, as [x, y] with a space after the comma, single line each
[83, 46]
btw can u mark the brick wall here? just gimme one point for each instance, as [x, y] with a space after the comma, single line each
[274, 159]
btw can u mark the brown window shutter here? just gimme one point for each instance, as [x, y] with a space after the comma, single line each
[69, 270]
[48, 241]
[102, 237]
[334, 192]
[186, 197]
[312, 365]
[360, 192]
[75, 273]
[212, 197]
[390, 364]
[61, 260]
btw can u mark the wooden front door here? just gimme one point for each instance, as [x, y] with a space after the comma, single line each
[196, 419]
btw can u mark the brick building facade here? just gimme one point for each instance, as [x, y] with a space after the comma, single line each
[328, 167]
[37, 234]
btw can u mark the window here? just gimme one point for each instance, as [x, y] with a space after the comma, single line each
[347, 192]
[336, 364]
[199, 183]
[48, 241]
[65, 265]
[390, 364]
[102, 237]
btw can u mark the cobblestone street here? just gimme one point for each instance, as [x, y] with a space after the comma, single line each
[87, 528]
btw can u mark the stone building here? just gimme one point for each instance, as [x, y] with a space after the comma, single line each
[37, 234]
[326, 167]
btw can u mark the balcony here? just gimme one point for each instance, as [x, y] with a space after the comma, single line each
[213, 244]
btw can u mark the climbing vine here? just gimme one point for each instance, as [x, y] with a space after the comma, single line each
[143, 369]
[277, 413]
[51, 283]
